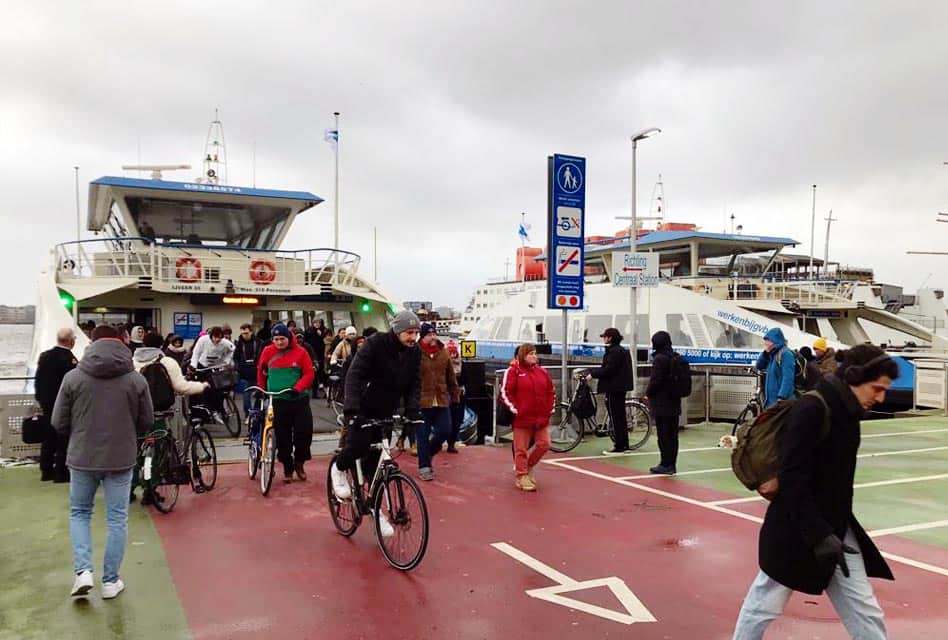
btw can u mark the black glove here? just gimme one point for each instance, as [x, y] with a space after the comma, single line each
[832, 549]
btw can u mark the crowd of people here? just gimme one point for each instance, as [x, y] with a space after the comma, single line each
[810, 540]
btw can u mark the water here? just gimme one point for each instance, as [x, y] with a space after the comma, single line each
[15, 343]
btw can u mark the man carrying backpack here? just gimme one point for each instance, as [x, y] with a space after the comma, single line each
[779, 363]
[664, 401]
[810, 540]
[615, 379]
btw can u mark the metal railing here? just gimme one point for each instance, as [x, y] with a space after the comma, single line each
[764, 288]
[196, 266]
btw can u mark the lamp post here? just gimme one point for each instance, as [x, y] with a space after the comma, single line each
[812, 233]
[633, 237]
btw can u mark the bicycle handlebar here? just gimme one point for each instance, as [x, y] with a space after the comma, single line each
[265, 392]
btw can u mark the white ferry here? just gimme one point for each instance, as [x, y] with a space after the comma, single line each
[184, 256]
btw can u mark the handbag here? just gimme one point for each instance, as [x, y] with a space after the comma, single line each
[35, 428]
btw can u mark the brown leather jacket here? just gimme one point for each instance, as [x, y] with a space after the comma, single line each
[439, 386]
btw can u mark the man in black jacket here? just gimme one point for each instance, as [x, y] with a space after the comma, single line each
[385, 372]
[615, 379]
[246, 350]
[810, 540]
[664, 402]
[52, 367]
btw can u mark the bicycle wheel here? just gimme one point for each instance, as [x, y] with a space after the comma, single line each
[268, 456]
[569, 433]
[253, 447]
[203, 459]
[748, 415]
[639, 424]
[400, 499]
[164, 457]
[345, 516]
[231, 416]
[335, 399]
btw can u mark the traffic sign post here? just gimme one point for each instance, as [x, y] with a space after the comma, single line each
[566, 223]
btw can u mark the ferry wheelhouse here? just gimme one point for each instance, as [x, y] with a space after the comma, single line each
[184, 256]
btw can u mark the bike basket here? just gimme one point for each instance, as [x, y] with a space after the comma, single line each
[224, 378]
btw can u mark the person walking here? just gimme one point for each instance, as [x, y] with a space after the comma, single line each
[615, 380]
[810, 540]
[315, 336]
[439, 388]
[457, 408]
[527, 390]
[51, 368]
[779, 364]
[263, 335]
[343, 348]
[664, 402]
[246, 350]
[824, 357]
[286, 367]
[102, 404]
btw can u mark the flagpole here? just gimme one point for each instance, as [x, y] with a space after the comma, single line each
[523, 249]
[336, 197]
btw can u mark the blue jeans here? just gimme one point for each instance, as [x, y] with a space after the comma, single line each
[432, 432]
[852, 598]
[82, 488]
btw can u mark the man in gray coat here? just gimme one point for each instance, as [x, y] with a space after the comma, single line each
[101, 405]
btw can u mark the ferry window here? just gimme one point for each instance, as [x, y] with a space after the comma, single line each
[503, 329]
[676, 326]
[575, 331]
[624, 325]
[340, 320]
[595, 325]
[527, 328]
[554, 328]
[726, 336]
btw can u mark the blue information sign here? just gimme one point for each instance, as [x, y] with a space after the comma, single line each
[187, 325]
[566, 176]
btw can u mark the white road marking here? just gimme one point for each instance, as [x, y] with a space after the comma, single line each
[627, 454]
[634, 612]
[737, 514]
[861, 485]
[902, 433]
[908, 528]
[646, 476]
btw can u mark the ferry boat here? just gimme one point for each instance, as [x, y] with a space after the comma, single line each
[184, 256]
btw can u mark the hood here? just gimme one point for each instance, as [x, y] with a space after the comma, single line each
[106, 358]
[146, 355]
[661, 341]
[775, 335]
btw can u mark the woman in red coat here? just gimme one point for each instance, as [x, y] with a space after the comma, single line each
[527, 390]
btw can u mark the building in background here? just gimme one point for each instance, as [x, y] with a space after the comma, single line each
[17, 315]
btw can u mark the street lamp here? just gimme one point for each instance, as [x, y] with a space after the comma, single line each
[633, 237]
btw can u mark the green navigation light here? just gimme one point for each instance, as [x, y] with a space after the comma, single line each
[365, 307]
[67, 300]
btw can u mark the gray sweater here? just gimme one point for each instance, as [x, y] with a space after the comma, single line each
[101, 404]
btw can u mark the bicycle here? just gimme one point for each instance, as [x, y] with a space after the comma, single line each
[571, 430]
[223, 379]
[261, 439]
[167, 463]
[749, 413]
[391, 493]
[334, 391]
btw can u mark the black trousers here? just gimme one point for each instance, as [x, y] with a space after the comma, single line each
[615, 405]
[53, 453]
[457, 417]
[668, 439]
[293, 422]
[359, 441]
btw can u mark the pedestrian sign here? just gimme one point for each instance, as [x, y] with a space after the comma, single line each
[468, 349]
[566, 176]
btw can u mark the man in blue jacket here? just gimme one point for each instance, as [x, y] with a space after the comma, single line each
[780, 366]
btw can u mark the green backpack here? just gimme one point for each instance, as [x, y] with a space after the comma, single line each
[754, 458]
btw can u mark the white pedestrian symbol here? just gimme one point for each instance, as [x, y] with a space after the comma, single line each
[569, 179]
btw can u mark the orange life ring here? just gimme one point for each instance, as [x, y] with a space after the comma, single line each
[187, 269]
[263, 271]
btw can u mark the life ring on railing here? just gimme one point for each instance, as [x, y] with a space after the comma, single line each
[263, 271]
[187, 269]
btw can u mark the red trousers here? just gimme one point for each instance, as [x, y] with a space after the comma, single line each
[523, 459]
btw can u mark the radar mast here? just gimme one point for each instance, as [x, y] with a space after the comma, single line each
[215, 153]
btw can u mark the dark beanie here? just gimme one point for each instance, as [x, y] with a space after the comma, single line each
[426, 328]
[405, 320]
[280, 329]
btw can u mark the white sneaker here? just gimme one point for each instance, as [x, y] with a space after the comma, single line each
[340, 484]
[385, 526]
[112, 589]
[83, 584]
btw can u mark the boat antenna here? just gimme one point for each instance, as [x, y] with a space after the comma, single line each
[215, 153]
[657, 210]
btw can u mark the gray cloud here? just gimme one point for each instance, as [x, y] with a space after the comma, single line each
[450, 109]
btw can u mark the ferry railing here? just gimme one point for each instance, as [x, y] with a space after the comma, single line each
[205, 266]
[764, 288]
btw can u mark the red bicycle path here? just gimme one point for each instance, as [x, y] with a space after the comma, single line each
[247, 566]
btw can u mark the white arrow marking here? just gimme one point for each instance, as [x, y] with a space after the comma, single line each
[635, 611]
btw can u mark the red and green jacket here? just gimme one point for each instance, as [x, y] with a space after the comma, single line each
[291, 368]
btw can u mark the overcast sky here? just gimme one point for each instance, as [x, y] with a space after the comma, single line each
[450, 109]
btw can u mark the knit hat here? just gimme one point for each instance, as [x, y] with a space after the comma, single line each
[280, 329]
[426, 328]
[405, 320]
[820, 343]
[351, 332]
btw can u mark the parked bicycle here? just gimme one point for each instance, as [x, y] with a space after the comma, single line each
[261, 439]
[749, 413]
[571, 429]
[334, 391]
[166, 463]
[218, 400]
[390, 493]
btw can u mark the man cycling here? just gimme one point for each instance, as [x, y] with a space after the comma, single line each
[385, 371]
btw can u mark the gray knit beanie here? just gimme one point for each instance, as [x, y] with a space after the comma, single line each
[405, 320]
